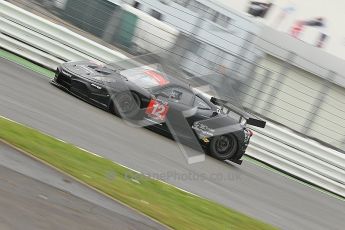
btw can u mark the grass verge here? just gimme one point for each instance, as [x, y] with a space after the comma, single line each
[27, 64]
[165, 203]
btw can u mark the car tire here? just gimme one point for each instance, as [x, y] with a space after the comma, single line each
[126, 105]
[223, 147]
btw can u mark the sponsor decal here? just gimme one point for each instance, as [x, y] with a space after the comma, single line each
[96, 86]
[206, 140]
[157, 110]
[203, 129]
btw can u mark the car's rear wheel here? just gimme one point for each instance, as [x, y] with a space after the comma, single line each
[223, 147]
[126, 105]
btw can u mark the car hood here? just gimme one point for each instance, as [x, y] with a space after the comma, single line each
[87, 69]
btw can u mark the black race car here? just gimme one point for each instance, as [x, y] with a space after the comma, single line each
[148, 97]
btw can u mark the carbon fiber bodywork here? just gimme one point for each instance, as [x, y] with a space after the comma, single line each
[164, 104]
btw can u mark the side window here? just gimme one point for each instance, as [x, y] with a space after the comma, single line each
[136, 5]
[201, 104]
[182, 95]
[165, 91]
[179, 95]
[156, 14]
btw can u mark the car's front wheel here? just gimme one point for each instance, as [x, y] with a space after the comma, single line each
[223, 147]
[126, 105]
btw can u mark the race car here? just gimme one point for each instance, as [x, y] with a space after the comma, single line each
[148, 97]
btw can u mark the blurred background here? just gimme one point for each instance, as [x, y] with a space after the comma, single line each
[285, 58]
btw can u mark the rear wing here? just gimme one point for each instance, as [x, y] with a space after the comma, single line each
[251, 119]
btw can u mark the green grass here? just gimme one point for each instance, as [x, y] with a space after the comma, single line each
[168, 205]
[28, 64]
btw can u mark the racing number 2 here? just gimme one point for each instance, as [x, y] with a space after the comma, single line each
[157, 110]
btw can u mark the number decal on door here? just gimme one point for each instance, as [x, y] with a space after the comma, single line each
[157, 110]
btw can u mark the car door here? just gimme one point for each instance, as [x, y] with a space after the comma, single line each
[203, 110]
[180, 108]
[98, 90]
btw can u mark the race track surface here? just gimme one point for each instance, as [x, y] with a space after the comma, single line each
[27, 203]
[28, 98]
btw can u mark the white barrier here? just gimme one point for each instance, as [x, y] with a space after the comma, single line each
[296, 170]
[299, 158]
[307, 146]
[28, 52]
[49, 44]
[57, 41]
[46, 44]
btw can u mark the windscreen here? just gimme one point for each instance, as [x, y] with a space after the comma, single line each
[159, 69]
[145, 77]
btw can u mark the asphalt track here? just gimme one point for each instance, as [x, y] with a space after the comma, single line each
[36, 197]
[28, 98]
